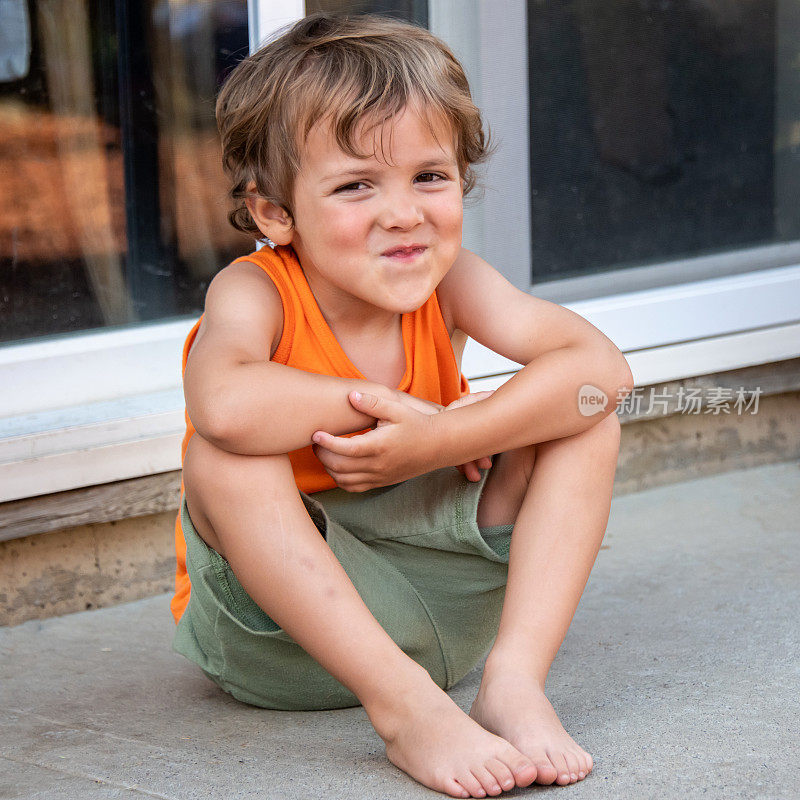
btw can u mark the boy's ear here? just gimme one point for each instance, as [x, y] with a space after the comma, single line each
[271, 219]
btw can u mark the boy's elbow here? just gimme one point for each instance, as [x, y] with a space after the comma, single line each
[223, 422]
[216, 422]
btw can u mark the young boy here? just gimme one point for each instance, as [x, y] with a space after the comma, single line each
[335, 555]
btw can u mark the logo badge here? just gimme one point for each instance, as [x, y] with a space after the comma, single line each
[591, 400]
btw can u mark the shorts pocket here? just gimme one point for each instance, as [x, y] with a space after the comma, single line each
[231, 600]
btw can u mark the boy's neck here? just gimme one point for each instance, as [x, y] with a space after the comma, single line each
[357, 325]
[370, 337]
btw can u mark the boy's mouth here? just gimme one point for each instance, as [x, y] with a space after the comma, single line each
[404, 251]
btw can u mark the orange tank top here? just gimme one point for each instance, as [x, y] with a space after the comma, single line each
[308, 343]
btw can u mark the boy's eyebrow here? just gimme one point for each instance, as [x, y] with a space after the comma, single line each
[434, 163]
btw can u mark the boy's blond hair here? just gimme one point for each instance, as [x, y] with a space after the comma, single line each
[345, 69]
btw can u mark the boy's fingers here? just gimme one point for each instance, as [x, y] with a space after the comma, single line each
[354, 482]
[471, 472]
[342, 445]
[418, 404]
[468, 399]
[328, 459]
[481, 395]
[377, 407]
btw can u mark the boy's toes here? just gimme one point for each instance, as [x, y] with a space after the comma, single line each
[471, 784]
[454, 788]
[503, 776]
[490, 784]
[562, 768]
[522, 768]
[546, 773]
[487, 781]
[574, 766]
[583, 765]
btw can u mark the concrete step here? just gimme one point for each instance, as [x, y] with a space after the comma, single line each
[679, 674]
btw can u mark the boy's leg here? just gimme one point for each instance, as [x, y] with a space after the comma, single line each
[249, 507]
[559, 518]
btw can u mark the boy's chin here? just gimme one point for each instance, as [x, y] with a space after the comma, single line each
[406, 302]
[407, 305]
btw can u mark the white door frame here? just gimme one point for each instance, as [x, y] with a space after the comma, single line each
[107, 405]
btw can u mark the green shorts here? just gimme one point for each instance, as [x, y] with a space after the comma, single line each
[434, 581]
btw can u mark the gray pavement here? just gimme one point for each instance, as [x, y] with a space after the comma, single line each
[680, 675]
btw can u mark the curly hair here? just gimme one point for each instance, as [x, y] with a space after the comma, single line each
[345, 70]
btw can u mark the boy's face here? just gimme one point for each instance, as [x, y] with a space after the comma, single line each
[351, 215]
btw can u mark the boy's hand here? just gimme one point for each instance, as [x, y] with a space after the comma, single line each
[417, 403]
[470, 470]
[400, 447]
[395, 450]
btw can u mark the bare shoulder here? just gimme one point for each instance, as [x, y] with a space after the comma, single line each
[469, 288]
[467, 268]
[483, 304]
[243, 310]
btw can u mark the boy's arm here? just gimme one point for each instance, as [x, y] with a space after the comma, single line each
[240, 401]
[561, 351]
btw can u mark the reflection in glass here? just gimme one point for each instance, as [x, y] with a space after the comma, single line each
[113, 202]
[415, 11]
[655, 130]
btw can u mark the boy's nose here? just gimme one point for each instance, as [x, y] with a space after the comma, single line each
[401, 212]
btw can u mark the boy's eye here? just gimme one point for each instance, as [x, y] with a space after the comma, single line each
[430, 177]
[423, 177]
[350, 187]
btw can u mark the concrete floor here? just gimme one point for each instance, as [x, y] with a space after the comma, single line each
[680, 674]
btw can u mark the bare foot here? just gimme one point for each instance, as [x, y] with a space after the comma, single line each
[436, 743]
[516, 708]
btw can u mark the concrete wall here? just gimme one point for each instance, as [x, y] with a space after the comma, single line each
[88, 566]
[686, 446]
